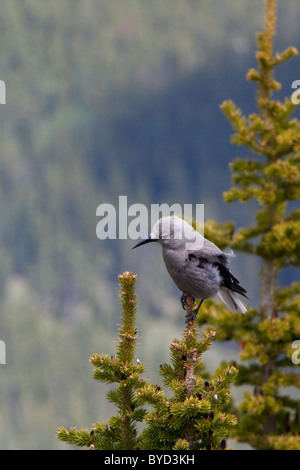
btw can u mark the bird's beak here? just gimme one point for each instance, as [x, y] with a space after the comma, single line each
[143, 242]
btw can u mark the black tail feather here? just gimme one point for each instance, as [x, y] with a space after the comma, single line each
[229, 281]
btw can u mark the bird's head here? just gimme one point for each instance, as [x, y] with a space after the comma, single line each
[169, 232]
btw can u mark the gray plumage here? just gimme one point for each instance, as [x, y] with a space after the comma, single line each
[197, 266]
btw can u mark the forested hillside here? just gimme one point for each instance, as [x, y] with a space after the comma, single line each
[106, 99]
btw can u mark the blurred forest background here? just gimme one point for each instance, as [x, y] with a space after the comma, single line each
[109, 98]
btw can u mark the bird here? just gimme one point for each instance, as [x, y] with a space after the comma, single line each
[197, 266]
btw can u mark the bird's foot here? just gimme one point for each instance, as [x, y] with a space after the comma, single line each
[190, 316]
[187, 301]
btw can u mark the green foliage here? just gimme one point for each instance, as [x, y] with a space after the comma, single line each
[120, 432]
[194, 417]
[269, 415]
[100, 97]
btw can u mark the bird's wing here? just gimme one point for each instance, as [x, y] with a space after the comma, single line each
[219, 260]
[209, 253]
[228, 280]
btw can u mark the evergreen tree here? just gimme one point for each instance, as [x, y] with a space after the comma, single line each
[194, 417]
[269, 415]
[120, 432]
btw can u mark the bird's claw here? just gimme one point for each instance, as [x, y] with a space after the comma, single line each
[190, 316]
[186, 300]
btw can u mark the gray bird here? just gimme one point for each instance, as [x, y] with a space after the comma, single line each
[196, 265]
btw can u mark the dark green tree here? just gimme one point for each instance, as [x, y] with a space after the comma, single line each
[120, 433]
[270, 175]
[195, 415]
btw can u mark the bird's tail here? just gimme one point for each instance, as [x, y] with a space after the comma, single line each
[231, 300]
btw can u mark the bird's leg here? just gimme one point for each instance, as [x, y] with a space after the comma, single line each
[193, 313]
[187, 301]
